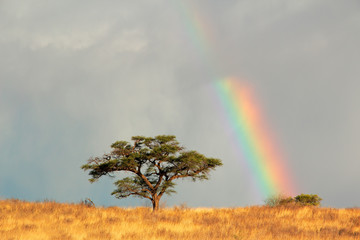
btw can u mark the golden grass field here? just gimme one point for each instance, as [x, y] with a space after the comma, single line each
[51, 220]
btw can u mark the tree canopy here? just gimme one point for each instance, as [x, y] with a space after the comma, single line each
[153, 163]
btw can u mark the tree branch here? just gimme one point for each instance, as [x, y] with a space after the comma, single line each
[142, 176]
[161, 176]
[187, 174]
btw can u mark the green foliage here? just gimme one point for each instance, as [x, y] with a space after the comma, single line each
[279, 200]
[154, 164]
[308, 200]
[287, 201]
[300, 200]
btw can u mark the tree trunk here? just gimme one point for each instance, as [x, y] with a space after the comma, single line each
[155, 203]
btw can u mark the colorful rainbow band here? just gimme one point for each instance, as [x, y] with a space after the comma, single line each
[253, 138]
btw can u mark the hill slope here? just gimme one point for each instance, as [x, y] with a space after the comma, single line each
[51, 220]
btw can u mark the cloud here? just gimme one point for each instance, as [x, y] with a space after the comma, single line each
[76, 76]
[38, 24]
[132, 41]
[73, 40]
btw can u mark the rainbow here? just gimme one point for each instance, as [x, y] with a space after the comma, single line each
[251, 134]
[253, 138]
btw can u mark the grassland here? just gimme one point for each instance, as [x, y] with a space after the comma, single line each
[51, 220]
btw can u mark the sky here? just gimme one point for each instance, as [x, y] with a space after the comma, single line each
[76, 76]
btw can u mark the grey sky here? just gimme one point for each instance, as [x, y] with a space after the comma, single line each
[76, 76]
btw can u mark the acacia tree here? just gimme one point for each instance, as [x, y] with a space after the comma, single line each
[153, 164]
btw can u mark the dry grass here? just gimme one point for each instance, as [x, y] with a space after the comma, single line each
[51, 220]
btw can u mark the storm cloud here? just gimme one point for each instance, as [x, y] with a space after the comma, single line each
[76, 76]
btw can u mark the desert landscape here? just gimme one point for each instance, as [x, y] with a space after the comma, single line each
[247, 110]
[52, 220]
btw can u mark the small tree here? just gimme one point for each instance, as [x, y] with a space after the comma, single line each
[308, 199]
[299, 200]
[279, 200]
[154, 164]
